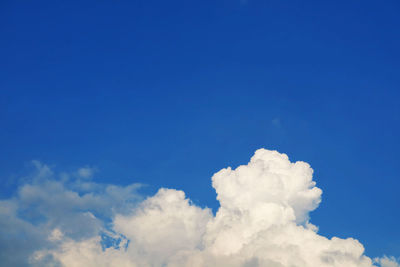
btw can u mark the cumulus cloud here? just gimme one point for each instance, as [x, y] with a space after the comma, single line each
[387, 262]
[49, 208]
[263, 220]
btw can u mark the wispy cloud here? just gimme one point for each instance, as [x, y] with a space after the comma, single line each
[86, 172]
[387, 261]
[52, 208]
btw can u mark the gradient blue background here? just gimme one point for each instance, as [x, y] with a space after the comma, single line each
[168, 92]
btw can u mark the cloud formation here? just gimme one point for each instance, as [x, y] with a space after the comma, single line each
[263, 220]
[86, 172]
[50, 208]
[387, 262]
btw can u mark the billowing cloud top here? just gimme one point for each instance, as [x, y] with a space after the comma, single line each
[263, 220]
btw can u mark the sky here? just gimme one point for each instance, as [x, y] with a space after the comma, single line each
[116, 99]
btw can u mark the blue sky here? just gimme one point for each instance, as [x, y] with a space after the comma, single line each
[166, 93]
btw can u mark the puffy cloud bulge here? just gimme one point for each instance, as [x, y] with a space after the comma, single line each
[263, 220]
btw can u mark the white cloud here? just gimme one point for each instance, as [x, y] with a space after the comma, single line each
[56, 235]
[387, 262]
[50, 208]
[263, 220]
[86, 172]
